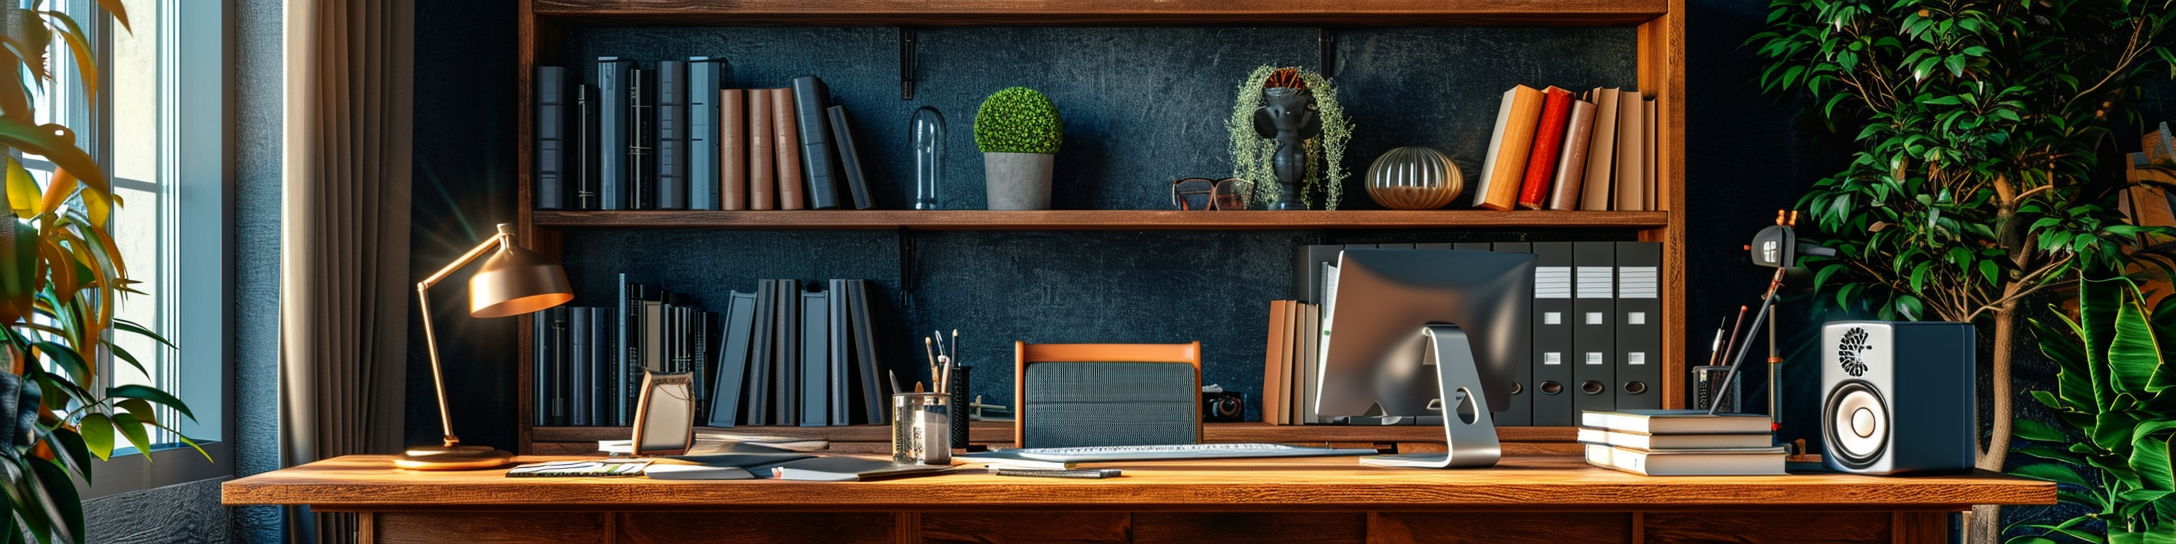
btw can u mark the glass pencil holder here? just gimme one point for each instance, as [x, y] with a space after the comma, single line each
[922, 428]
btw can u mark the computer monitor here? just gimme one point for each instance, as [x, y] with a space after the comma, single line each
[1376, 320]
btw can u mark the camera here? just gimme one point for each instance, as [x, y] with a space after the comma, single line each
[1223, 406]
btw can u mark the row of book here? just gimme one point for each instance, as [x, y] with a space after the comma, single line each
[799, 357]
[1551, 150]
[1681, 443]
[2151, 171]
[1597, 331]
[589, 361]
[672, 137]
[778, 356]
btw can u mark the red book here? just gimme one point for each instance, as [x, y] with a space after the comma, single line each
[1556, 108]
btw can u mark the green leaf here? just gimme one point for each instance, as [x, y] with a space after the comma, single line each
[2052, 472]
[2036, 431]
[2134, 354]
[151, 394]
[2150, 457]
[141, 409]
[98, 435]
[133, 430]
[62, 503]
[72, 451]
[1990, 270]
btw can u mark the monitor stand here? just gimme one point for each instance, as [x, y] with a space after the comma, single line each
[1468, 444]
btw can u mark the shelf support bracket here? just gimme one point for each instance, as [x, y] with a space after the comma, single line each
[906, 63]
[1329, 53]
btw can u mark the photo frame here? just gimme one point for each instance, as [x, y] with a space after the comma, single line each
[664, 414]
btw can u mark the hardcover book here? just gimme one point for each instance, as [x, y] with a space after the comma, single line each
[1631, 184]
[1512, 141]
[551, 137]
[671, 114]
[705, 158]
[762, 162]
[733, 153]
[842, 136]
[1571, 165]
[641, 140]
[612, 131]
[785, 128]
[810, 99]
[1595, 194]
[1541, 161]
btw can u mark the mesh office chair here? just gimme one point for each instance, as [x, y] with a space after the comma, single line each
[1106, 394]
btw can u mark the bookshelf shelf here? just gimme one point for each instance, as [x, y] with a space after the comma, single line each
[1092, 219]
[1104, 12]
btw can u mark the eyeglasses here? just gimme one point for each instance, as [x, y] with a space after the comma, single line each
[1210, 194]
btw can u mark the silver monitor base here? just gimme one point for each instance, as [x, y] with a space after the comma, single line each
[1470, 444]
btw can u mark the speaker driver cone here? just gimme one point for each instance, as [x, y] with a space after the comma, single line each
[1855, 420]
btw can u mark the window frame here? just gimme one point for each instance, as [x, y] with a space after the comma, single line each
[193, 134]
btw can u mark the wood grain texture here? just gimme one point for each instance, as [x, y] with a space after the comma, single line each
[488, 527]
[1106, 12]
[1026, 527]
[1250, 528]
[1493, 527]
[1919, 528]
[1092, 219]
[755, 527]
[364, 482]
[1768, 527]
[1000, 432]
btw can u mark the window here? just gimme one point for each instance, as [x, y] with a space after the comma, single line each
[157, 125]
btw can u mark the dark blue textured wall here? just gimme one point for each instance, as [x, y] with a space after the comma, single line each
[1142, 106]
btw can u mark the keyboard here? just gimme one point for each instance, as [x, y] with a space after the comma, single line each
[1181, 451]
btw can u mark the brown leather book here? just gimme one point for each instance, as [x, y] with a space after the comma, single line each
[1505, 164]
[762, 175]
[733, 144]
[1571, 166]
[1272, 377]
[1601, 152]
[785, 127]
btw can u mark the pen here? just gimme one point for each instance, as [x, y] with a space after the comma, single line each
[1085, 473]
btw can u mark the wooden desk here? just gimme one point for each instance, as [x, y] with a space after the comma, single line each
[1554, 499]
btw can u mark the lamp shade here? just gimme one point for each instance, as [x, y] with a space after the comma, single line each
[517, 281]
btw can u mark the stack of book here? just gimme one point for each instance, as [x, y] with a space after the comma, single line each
[673, 137]
[590, 360]
[1681, 443]
[1551, 150]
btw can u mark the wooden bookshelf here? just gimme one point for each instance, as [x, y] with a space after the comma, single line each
[1104, 12]
[1660, 24]
[1094, 219]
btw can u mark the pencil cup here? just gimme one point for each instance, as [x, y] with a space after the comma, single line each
[959, 408]
[922, 428]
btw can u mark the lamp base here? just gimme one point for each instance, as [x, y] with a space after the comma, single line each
[452, 458]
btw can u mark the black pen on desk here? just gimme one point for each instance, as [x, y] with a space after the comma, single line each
[1084, 473]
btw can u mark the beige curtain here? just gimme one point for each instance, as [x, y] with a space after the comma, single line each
[344, 290]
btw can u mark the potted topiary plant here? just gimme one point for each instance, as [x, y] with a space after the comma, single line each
[1019, 131]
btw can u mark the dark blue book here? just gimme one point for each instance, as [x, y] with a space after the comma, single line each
[551, 137]
[641, 140]
[582, 149]
[612, 136]
[732, 362]
[810, 99]
[842, 138]
[579, 369]
[672, 135]
[706, 77]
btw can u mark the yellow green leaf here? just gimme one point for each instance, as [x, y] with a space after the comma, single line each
[22, 190]
[133, 429]
[98, 434]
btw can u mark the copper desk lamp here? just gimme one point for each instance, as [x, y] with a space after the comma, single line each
[513, 281]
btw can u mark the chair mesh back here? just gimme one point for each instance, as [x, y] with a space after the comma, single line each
[1110, 404]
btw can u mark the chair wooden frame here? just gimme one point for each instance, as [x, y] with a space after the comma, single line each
[1025, 354]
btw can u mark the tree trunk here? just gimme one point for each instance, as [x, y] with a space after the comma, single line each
[1985, 525]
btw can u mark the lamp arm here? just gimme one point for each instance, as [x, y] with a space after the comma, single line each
[430, 334]
[500, 239]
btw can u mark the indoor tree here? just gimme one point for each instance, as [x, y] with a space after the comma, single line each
[61, 281]
[1976, 177]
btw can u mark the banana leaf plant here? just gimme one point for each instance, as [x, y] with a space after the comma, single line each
[2115, 412]
[61, 281]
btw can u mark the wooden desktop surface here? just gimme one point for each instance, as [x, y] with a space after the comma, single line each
[364, 482]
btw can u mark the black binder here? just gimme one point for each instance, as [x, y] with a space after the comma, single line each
[810, 99]
[841, 352]
[786, 355]
[551, 137]
[601, 355]
[705, 77]
[540, 367]
[612, 127]
[641, 140]
[1553, 350]
[1521, 413]
[875, 386]
[1594, 329]
[1639, 326]
[732, 365]
[672, 135]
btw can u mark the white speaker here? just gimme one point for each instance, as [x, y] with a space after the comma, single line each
[1897, 397]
